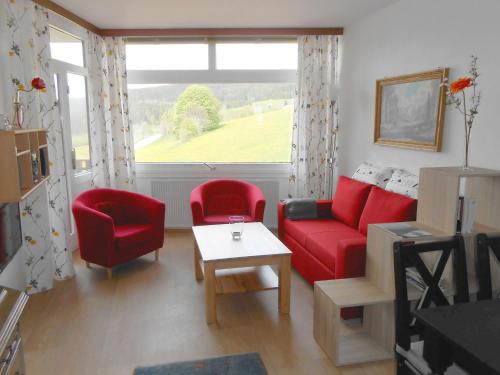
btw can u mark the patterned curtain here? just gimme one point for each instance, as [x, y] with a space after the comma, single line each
[112, 152]
[24, 31]
[315, 127]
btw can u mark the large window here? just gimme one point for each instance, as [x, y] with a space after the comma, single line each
[214, 102]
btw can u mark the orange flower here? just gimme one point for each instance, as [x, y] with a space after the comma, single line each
[460, 84]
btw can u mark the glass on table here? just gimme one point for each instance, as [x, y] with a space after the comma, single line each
[236, 226]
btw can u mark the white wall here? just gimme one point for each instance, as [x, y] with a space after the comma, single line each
[412, 36]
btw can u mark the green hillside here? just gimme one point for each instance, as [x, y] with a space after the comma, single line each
[257, 138]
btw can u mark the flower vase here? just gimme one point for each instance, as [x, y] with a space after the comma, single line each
[18, 113]
[466, 155]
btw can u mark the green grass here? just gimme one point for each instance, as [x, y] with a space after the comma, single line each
[248, 110]
[258, 138]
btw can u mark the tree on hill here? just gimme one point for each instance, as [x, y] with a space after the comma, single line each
[196, 111]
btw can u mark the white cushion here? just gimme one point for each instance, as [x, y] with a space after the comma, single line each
[373, 174]
[403, 182]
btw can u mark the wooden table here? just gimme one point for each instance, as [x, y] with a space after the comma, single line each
[239, 266]
[467, 334]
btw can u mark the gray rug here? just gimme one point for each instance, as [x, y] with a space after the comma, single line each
[240, 364]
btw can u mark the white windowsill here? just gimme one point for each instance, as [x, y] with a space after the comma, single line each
[200, 170]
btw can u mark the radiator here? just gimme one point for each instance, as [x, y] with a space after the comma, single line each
[175, 194]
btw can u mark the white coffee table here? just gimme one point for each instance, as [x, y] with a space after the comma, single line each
[239, 266]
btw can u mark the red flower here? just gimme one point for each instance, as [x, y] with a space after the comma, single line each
[38, 84]
[460, 84]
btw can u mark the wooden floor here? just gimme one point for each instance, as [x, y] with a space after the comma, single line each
[153, 312]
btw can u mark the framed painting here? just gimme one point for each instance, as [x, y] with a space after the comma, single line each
[410, 110]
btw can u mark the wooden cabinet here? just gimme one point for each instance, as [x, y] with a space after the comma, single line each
[24, 162]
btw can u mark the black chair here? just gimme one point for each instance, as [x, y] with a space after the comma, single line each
[486, 243]
[407, 256]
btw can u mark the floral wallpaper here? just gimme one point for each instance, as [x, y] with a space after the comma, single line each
[45, 217]
[112, 153]
[315, 128]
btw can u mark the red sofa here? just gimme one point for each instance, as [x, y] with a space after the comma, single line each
[334, 245]
[214, 201]
[117, 226]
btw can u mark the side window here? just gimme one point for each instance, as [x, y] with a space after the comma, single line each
[78, 118]
[71, 83]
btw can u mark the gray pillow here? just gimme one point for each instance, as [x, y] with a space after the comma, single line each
[301, 209]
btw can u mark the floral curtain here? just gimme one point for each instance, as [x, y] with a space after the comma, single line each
[315, 127]
[112, 153]
[24, 30]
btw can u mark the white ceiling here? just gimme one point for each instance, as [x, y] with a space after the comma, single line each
[126, 14]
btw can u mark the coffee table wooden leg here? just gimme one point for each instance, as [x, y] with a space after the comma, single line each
[210, 294]
[284, 285]
[197, 267]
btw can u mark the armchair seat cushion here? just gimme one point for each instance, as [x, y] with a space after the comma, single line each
[224, 219]
[323, 245]
[130, 236]
[300, 230]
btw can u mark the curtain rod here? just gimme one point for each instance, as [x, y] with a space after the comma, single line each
[188, 32]
[222, 32]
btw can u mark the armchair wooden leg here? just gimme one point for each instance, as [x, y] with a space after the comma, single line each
[157, 255]
[88, 264]
[110, 273]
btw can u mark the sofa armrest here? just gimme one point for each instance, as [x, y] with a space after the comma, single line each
[351, 258]
[196, 202]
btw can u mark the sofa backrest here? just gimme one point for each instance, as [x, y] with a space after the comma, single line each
[383, 206]
[349, 200]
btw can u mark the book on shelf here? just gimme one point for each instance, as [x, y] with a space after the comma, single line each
[466, 213]
[414, 278]
[43, 163]
[406, 230]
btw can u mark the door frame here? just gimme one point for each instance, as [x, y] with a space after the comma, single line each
[75, 182]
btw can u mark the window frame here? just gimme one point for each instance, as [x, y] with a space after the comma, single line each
[61, 69]
[211, 75]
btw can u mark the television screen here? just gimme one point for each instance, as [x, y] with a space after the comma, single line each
[10, 232]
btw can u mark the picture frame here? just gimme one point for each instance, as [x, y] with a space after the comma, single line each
[410, 109]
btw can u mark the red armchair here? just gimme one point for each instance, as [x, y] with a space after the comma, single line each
[214, 201]
[117, 226]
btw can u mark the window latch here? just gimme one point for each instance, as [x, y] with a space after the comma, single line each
[211, 167]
